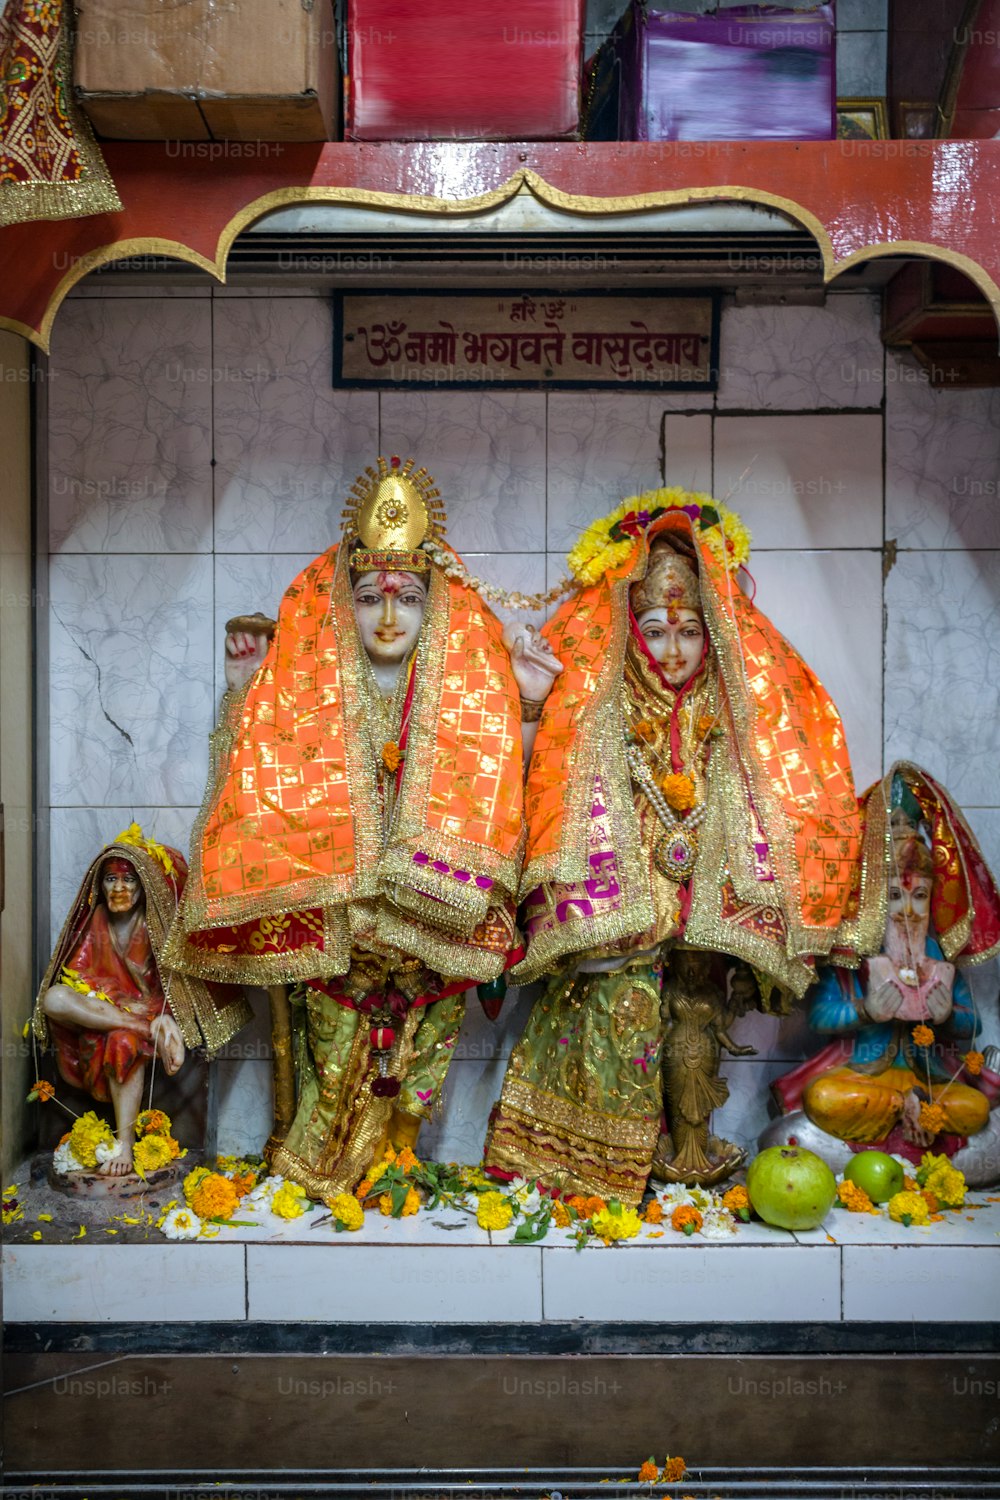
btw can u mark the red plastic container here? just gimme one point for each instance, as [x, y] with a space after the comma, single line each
[424, 70]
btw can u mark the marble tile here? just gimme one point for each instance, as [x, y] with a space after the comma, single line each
[942, 683]
[984, 980]
[603, 446]
[523, 571]
[288, 446]
[77, 834]
[748, 1109]
[244, 583]
[861, 64]
[975, 1227]
[942, 460]
[800, 358]
[932, 1283]
[130, 691]
[687, 450]
[803, 481]
[130, 427]
[87, 1283]
[694, 1282]
[245, 1104]
[486, 451]
[862, 15]
[131, 680]
[395, 1284]
[458, 1129]
[829, 605]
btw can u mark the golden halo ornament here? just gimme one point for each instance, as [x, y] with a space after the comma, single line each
[393, 510]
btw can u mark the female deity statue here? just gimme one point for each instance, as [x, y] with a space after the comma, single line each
[106, 1003]
[689, 786]
[900, 1071]
[362, 833]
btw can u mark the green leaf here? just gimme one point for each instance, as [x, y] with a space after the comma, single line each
[398, 1192]
[709, 517]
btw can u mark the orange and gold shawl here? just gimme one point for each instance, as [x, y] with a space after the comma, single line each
[291, 861]
[780, 844]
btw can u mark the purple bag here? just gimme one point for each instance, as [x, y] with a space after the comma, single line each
[753, 73]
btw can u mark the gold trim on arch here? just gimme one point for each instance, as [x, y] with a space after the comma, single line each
[524, 177]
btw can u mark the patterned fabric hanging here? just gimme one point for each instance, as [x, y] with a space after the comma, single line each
[50, 164]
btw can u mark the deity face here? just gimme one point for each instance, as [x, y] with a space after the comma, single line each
[675, 638]
[390, 610]
[908, 916]
[121, 887]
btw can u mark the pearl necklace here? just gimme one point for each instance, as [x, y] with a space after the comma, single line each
[676, 852]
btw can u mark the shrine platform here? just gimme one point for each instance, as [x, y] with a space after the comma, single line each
[440, 1268]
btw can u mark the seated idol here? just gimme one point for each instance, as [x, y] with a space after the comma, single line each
[901, 1071]
[690, 787]
[362, 834]
[106, 1006]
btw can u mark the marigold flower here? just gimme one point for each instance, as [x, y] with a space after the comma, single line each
[244, 1182]
[87, 1134]
[931, 1201]
[347, 1212]
[560, 1215]
[152, 1152]
[41, 1090]
[411, 1204]
[705, 723]
[673, 1470]
[407, 1160]
[193, 1181]
[973, 1063]
[654, 1212]
[494, 1211]
[937, 1175]
[649, 1473]
[922, 1035]
[290, 1201]
[616, 1223]
[737, 1200]
[686, 1219]
[391, 755]
[644, 729]
[908, 1208]
[214, 1197]
[678, 791]
[854, 1198]
[363, 1188]
[152, 1122]
[932, 1118]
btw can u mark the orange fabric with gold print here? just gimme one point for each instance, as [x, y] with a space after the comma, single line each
[796, 737]
[282, 830]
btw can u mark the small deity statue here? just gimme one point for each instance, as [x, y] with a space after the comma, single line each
[106, 1004]
[900, 1071]
[362, 832]
[689, 787]
[697, 1016]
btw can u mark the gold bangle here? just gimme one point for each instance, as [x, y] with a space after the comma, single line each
[531, 710]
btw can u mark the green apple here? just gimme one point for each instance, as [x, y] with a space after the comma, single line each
[876, 1173]
[791, 1188]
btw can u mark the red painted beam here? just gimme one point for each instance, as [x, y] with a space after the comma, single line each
[859, 199]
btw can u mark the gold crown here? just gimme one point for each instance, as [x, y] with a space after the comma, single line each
[670, 582]
[392, 511]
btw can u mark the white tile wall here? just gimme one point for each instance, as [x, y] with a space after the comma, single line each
[147, 390]
[87, 1284]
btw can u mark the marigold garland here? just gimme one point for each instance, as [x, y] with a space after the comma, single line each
[391, 755]
[678, 790]
[923, 1036]
[41, 1090]
[974, 1063]
[608, 542]
[134, 835]
[932, 1118]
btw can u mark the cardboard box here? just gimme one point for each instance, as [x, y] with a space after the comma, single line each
[422, 70]
[753, 72]
[198, 70]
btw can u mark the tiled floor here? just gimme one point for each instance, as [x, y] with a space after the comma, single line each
[439, 1267]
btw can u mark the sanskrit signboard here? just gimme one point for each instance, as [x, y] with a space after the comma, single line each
[526, 340]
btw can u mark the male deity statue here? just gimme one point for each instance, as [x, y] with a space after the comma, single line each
[901, 1070]
[106, 1006]
[362, 834]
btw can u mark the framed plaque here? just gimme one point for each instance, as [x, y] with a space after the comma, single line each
[526, 340]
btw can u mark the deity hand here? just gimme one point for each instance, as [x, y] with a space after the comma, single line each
[939, 1002]
[883, 998]
[169, 1043]
[532, 661]
[724, 1040]
[247, 640]
[909, 1121]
